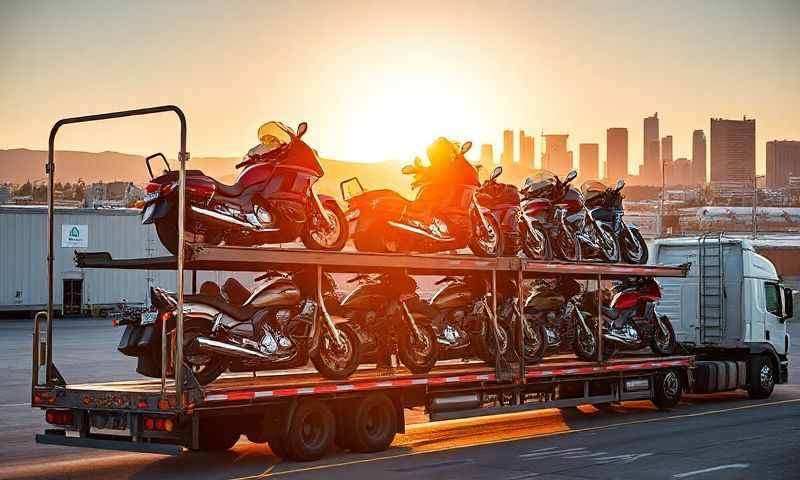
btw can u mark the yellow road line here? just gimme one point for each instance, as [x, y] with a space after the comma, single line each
[515, 439]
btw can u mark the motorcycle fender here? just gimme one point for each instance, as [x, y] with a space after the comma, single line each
[326, 198]
[158, 209]
[127, 344]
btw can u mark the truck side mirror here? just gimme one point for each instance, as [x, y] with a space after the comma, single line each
[788, 310]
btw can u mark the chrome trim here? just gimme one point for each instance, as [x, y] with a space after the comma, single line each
[418, 231]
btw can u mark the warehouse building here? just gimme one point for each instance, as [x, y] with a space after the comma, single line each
[23, 253]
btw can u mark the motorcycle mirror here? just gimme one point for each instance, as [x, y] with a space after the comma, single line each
[408, 170]
[620, 184]
[496, 173]
[571, 176]
[528, 183]
[417, 162]
[465, 148]
[302, 129]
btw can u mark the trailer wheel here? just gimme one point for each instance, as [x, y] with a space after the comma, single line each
[373, 424]
[218, 435]
[760, 376]
[668, 389]
[311, 433]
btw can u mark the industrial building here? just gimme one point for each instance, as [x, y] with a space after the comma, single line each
[23, 250]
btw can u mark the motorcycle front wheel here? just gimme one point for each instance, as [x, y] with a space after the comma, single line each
[567, 246]
[417, 354]
[535, 342]
[609, 245]
[486, 243]
[488, 343]
[535, 242]
[337, 361]
[320, 236]
[633, 247]
[663, 341]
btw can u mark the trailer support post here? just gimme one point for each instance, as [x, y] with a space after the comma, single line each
[520, 327]
[599, 319]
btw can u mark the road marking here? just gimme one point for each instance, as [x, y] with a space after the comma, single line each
[517, 439]
[525, 476]
[15, 405]
[712, 469]
[538, 455]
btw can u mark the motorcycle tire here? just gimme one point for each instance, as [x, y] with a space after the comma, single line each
[327, 365]
[534, 348]
[663, 346]
[167, 230]
[415, 360]
[214, 366]
[486, 346]
[626, 243]
[477, 246]
[569, 250]
[610, 252]
[311, 243]
[536, 243]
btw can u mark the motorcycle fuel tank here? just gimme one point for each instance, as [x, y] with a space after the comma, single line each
[545, 301]
[454, 294]
[368, 296]
[275, 292]
[574, 201]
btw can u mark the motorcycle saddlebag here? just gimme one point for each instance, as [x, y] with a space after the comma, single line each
[136, 340]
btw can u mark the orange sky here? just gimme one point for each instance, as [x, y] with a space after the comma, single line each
[379, 80]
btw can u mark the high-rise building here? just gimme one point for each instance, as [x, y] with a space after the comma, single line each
[666, 148]
[678, 172]
[698, 158]
[783, 162]
[508, 147]
[650, 173]
[589, 159]
[526, 150]
[556, 158]
[487, 156]
[733, 150]
[616, 153]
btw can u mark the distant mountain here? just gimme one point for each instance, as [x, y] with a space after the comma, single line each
[20, 165]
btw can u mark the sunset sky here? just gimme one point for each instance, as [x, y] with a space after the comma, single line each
[380, 80]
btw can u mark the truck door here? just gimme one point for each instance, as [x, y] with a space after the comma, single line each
[773, 326]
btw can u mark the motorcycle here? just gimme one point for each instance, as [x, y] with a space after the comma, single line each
[502, 201]
[555, 222]
[278, 325]
[463, 320]
[534, 336]
[382, 311]
[630, 321]
[605, 206]
[552, 305]
[384, 221]
[272, 201]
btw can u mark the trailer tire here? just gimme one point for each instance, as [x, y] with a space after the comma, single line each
[760, 376]
[372, 424]
[311, 432]
[667, 389]
[218, 435]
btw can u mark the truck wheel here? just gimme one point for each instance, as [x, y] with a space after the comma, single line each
[218, 435]
[277, 445]
[667, 388]
[760, 376]
[311, 433]
[373, 424]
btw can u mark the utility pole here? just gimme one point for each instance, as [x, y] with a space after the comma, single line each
[661, 203]
[755, 204]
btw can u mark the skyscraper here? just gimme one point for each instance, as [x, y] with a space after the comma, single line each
[487, 156]
[508, 148]
[616, 153]
[556, 158]
[666, 149]
[733, 150]
[783, 162]
[698, 158]
[589, 159]
[526, 150]
[650, 172]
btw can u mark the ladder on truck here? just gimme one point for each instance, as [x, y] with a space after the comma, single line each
[711, 282]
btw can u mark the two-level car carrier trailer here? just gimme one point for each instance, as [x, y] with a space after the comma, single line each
[300, 414]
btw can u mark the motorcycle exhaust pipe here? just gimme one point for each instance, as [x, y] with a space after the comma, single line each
[220, 218]
[418, 231]
[229, 350]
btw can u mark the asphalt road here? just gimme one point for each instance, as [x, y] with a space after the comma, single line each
[722, 436]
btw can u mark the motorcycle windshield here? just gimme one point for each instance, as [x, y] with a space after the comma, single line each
[277, 137]
[540, 183]
[592, 189]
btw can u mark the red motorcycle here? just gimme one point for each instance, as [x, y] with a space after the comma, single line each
[445, 215]
[272, 200]
[630, 320]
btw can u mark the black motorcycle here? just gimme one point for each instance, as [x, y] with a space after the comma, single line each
[278, 325]
[554, 305]
[502, 202]
[555, 222]
[534, 344]
[383, 311]
[605, 207]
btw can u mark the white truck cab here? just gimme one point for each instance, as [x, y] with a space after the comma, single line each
[732, 306]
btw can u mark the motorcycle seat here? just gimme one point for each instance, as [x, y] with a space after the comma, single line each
[236, 312]
[236, 293]
[228, 190]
